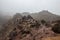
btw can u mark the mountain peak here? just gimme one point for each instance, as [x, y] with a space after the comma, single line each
[46, 15]
[45, 11]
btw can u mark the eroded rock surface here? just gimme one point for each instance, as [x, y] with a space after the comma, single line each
[27, 28]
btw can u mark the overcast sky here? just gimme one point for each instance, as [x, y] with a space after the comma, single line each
[30, 6]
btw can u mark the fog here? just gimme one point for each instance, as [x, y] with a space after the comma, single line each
[14, 6]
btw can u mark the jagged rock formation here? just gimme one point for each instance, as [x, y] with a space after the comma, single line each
[25, 13]
[28, 28]
[9, 26]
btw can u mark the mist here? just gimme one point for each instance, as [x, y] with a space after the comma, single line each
[10, 7]
[29, 19]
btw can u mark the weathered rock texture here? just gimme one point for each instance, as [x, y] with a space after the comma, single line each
[27, 28]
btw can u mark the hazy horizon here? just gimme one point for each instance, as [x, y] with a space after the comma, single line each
[18, 6]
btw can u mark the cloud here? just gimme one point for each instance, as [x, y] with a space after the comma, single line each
[30, 5]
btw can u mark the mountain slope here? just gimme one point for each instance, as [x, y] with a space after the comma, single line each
[46, 15]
